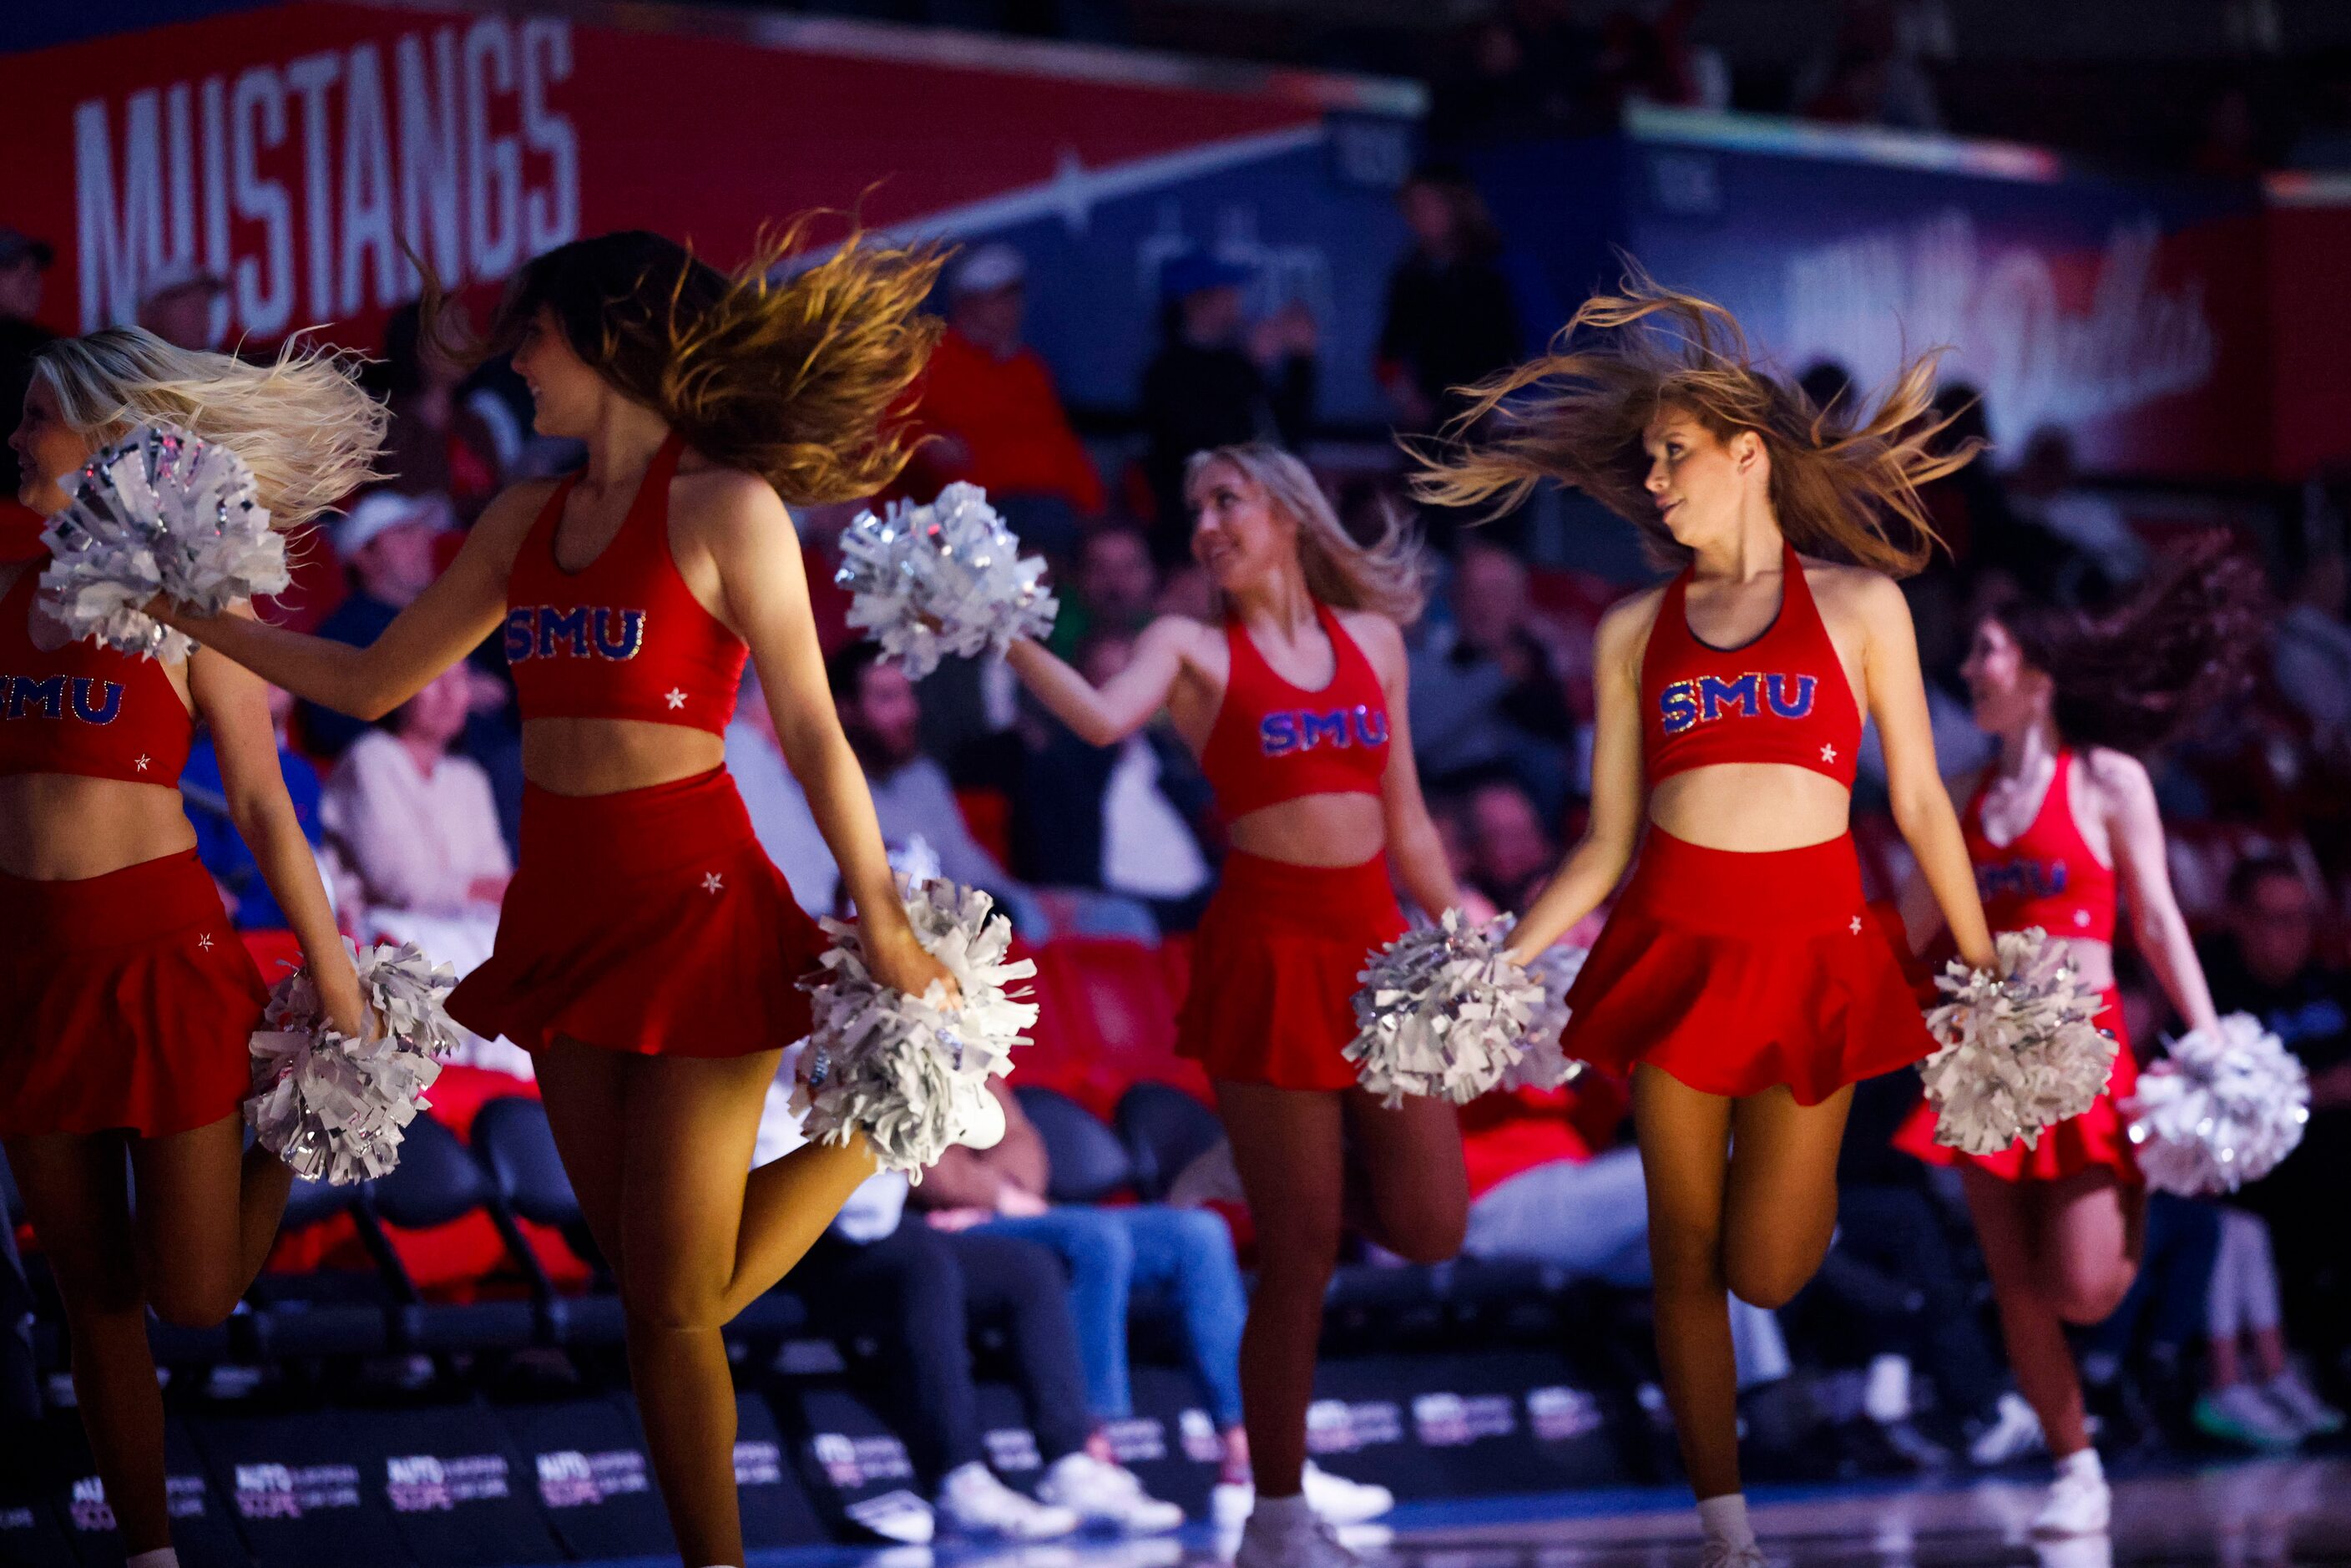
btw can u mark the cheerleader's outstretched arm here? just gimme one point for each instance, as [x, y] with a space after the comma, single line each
[1922, 805]
[2135, 829]
[1106, 715]
[1593, 868]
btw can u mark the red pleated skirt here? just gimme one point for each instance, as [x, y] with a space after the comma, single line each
[2097, 1139]
[647, 921]
[1275, 966]
[127, 1000]
[1735, 972]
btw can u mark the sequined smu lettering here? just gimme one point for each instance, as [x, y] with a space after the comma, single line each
[2024, 879]
[83, 698]
[1287, 731]
[581, 631]
[1683, 706]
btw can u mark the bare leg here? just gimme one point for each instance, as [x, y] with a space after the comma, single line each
[76, 1195]
[1686, 1162]
[208, 1211]
[1288, 1150]
[1780, 1211]
[1419, 1188]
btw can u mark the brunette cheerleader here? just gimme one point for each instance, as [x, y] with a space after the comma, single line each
[1738, 980]
[1296, 707]
[648, 953]
[127, 999]
[2062, 828]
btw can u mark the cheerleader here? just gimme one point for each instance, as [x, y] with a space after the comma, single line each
[127, 999]
[648, 955]
[2062, 828]
[1296, 707]
[1738, 981]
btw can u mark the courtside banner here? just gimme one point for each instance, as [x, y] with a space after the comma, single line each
[290, 149]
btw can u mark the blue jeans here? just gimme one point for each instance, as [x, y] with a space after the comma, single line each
[1591, 1217]
[1186, 1252]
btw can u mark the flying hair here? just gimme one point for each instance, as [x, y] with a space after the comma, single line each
[1386, 574]
[299, 421]
[785, 367]
[1844, 486]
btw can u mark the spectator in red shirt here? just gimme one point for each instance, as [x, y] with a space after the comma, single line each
[990, 401]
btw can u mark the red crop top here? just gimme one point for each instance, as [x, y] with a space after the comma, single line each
[84, 709]
[624, 637]
[1273, 742]
[1782, 697]
[2046, 876]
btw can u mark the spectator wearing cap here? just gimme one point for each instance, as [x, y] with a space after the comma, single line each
[181, 304]
[389, 544]
[1219, 380]
[23, 262]
[990, 401]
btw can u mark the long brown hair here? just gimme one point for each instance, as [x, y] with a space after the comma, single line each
[1842, 488]
[793, 379]
[2135, 675]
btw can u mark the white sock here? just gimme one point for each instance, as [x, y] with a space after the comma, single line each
[1724, 1517]
[2084, 1464]
[1280, 1512]
[161, 1557]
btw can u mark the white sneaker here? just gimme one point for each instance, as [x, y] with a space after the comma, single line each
[1723, 1554]
[1308, 1542]
[2015, 1432]
[2077, 1505]
[977, 1503]
[2240, 1414]
[899, 1516]
[2300, 1404]
[1107, 1493]
[1334, 1497]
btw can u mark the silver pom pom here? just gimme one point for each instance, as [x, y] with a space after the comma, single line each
[1441, 1011]
[1541, 1064]
[335, 1108]
[2221, 1110]
[2020, 1052]
[907, 1071]
[159, 512]
[947, 577]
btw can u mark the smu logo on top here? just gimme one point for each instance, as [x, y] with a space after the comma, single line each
[2026, 879]
[1685, 705]
[1287, 731]
[583, 631]
[83, 698]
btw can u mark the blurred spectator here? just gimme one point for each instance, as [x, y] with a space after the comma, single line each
[1124, 819]
[1871, 73]
[911, 1295]
[1114, 588]
[23, 262]
[2268, 964]
[2272, 1408]
[781, 818]
[1511, 851]
[1218, 380]
[1644, 55]
[1188, 589]
[417, 820]
[1450, 813]
[2313, 657]
[912, 794]
[1970, 509]
[439, 444]
[1451, 319]
[989, 402]
[250, 903]
[1486, 686]
[1186, 1254]
[389, 544]
[182, 304]
[2136, 1365]
[2045, 487]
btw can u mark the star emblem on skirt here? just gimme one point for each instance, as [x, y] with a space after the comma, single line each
[1828, 754]
[712, 882]
[1855, 926]
[139, 762]
[675, 697]
[205, 943]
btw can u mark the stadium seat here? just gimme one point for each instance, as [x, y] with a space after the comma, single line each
[1164, 1130]
[315, 1314]
[1089, 1163]
[436, 1183]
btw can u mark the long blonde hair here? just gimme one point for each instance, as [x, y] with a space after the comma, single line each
[1386, 575]
[1844, 486]
[301, 420]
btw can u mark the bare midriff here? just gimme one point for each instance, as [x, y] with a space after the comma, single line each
[606, 756]
[1314, 829]
[61, 827]
[1751, 807]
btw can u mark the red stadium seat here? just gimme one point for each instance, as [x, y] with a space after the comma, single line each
[1117, 1022]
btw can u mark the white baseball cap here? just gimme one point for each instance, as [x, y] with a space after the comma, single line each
[381, 509]
[989, 268]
